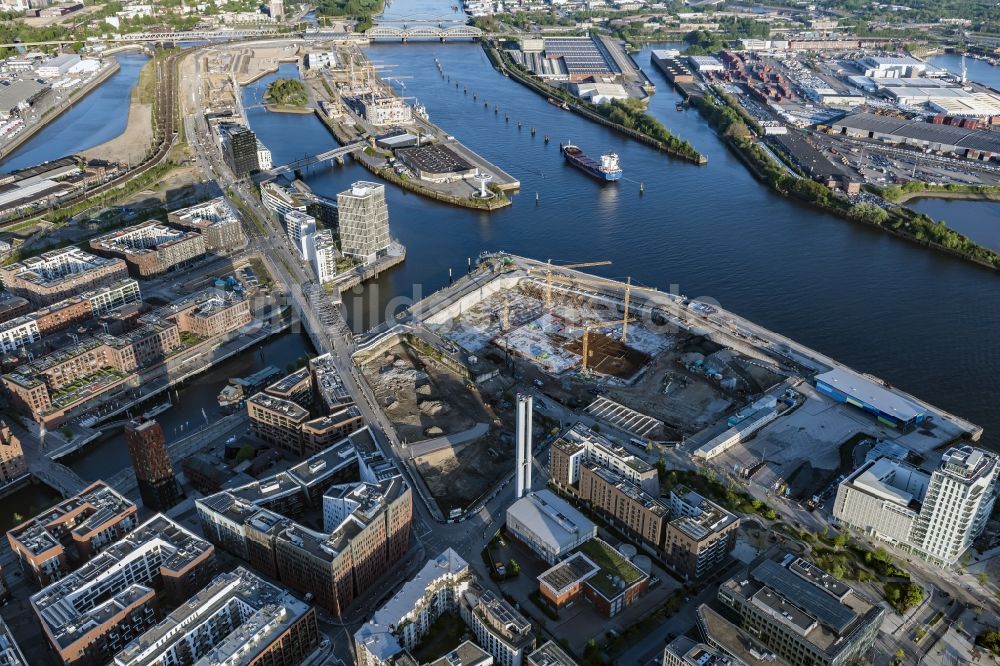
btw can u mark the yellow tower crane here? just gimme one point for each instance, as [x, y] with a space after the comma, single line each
[586, 337]
[548, 276]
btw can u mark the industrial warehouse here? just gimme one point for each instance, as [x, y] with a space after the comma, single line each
[436, 163]
[968, 143]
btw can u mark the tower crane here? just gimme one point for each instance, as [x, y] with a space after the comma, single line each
[548, 276]
[586, 337]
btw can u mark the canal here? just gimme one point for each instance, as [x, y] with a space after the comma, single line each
[98, 117]
[911, 316]
[194, 403]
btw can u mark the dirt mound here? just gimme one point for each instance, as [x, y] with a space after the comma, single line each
[424, 390]
[433, 431]
[433, 407]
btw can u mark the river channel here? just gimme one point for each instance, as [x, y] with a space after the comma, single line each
[916, 318]
[98, 117]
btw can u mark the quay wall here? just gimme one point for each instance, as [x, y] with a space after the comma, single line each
[55, 112]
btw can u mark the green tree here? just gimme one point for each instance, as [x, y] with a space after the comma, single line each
[990, 639]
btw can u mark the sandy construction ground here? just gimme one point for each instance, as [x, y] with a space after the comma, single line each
[130, 146]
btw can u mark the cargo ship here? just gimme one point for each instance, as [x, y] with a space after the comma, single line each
[607, 169]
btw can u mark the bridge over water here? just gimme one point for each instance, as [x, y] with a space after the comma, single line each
[406, 30]
[316, 159]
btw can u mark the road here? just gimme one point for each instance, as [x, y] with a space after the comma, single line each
[323, 321]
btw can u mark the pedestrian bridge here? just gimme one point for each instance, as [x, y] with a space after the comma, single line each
[316, 159]
[407, 32]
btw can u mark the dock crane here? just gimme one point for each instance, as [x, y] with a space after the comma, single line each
[548, 276]
[586, 337]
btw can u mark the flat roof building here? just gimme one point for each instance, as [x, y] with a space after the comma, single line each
[625, 504]
[151, 248]
[58, 274]
[597, 572]
[371, 532]
[580, 444]
[94, 612]
[436, 163]
[886, 405]
[968, 143]
[803, 614]
[10, 652]
[682, 651]
[549, 654]
[363, 216]
[401, 623]
[548, 525]
[466, 654]
[499, 627]
[936, 516]
[700, 535]
[216, 220]
[74, 530]
[238, 619]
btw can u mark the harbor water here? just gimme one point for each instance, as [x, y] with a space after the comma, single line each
[917, 318]
[100, 116]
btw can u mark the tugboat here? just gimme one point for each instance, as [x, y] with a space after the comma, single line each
[562, 105]
[607, 169]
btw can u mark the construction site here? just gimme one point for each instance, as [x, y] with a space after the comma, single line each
[611, 357]
[655, 371]
[456, 433]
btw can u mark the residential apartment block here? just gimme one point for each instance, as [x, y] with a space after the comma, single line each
[936, 516]
[690, 532]
[217, 222]
[150, 248]
[580, 444]
[48, 388]
[550, 654]
[806, 616]
[238, 619]
[49, 545]
[398, 627]
[93, 613]
[503, 631]
[281, 414]
[57, 274]
[363, 221]
[700, 534]
[64, 314]
[257, 522]
[624, 503]
[10, 652]
[682, 651]
[154, 471]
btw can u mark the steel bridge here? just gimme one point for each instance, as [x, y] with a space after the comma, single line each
[316, 159]
[405, 32]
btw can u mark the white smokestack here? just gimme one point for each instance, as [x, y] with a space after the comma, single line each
[522, 482]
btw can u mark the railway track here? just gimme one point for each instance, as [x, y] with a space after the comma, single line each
[166, 120]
